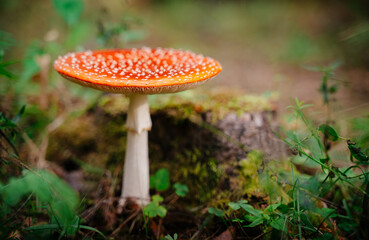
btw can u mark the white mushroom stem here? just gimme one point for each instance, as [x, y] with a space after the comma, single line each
[136, 178]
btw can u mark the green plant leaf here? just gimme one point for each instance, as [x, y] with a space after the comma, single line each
[307, 222]
[60, 200]
[356, 152]
[69, 10]
[272, 207]
[181, 189]
[4, 72]
[327, 212]
[333, 89]
[256, 222]
[43, 227]
[6, 123]
[215, 211]
[329, 132]
[251, 218]
[19, 115]
[324, 160]
[283, 208]
[250, 209]
[157, 198]
[237, 205]
[92, 229]
[160, 181]
[168, 237]
[238, 220]
[279, 224]
[153, 209]
[12, 192]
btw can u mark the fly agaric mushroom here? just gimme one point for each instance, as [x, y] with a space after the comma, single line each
[137, 73]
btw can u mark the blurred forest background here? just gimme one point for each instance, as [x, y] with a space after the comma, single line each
[261, 44]
[271, 51]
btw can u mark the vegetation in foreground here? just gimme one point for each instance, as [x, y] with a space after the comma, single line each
[320, 191]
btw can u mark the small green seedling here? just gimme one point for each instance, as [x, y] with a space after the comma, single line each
[153, 209]
[181, 189]
[168, 237]
[269, 216]
[160, 180]
[215, 211]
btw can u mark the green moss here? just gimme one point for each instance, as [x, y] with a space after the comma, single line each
[194, 168]
[249, 172]
[113, 104]
[219, 102]
[187, 103]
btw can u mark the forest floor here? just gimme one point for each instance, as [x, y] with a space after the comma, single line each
[220, 141]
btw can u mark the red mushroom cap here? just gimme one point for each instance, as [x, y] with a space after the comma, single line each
[143, 70]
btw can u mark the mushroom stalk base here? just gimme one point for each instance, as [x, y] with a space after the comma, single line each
[136, 178]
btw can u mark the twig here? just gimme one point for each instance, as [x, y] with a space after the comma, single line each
[206, 221]
[89, 212]
[21, 164]
[40, 152]
[9, 142]
[257, 237]
[212, 235]
[134, 222]
[33, 148]
[173, 198]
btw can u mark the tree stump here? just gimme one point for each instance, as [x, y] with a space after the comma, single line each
[193, 140]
